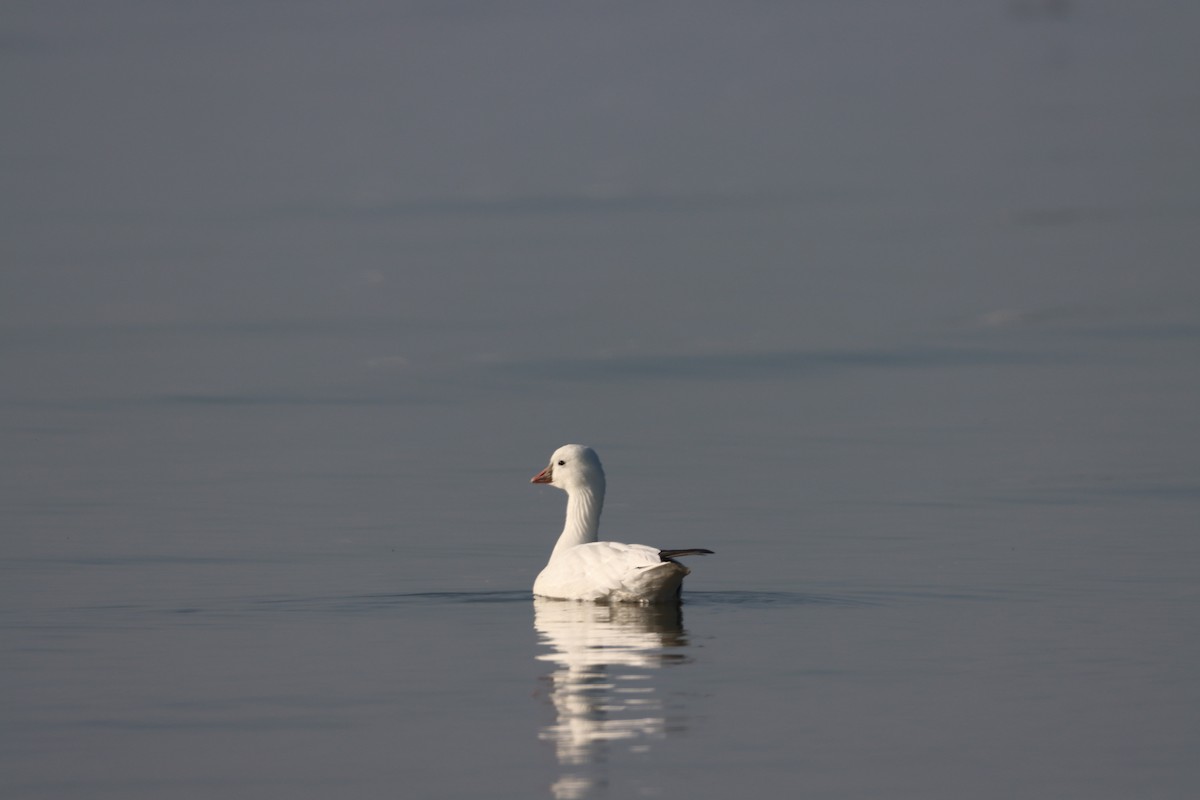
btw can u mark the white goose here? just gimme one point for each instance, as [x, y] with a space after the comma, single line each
[581, 568]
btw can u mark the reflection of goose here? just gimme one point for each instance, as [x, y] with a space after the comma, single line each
[581, 568]
[603, 686]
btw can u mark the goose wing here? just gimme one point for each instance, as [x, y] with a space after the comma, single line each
[610, 571]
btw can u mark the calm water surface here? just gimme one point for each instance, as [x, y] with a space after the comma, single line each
[893, 306]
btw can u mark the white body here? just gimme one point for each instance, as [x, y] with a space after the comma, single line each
[582, 568]
[611, 572]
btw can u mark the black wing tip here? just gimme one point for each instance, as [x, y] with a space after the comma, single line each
[667, 555]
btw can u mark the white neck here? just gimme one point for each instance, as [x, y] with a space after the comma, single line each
[583, 518]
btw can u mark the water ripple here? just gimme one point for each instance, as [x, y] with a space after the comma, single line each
[766, 599]
[372, 602]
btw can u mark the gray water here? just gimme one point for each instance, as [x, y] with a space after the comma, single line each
[892, 305]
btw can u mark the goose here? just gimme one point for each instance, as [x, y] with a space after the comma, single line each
[583, 568]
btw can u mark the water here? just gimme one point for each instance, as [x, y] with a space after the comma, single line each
[891, 305]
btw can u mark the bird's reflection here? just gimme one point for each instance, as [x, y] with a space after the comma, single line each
[604, 686]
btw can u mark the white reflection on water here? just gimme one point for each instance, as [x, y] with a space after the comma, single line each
[604, 686]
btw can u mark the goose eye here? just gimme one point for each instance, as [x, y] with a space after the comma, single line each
[562, 463]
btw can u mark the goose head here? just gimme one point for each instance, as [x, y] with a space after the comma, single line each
[573, 467]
